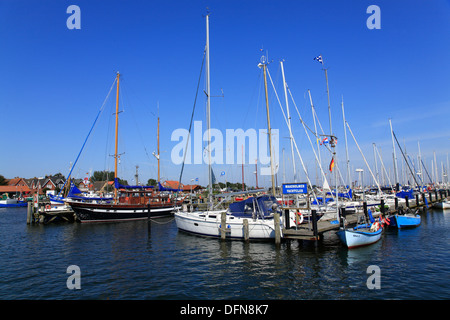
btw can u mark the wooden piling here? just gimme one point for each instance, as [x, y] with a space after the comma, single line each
[30, 212]
[246, 235]
[314, 223]
[286, 219]
[277, 228]
[396, 203]
[407, 201]
[223, 225]
[417, 200]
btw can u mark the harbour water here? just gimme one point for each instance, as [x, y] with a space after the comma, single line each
[135, 260]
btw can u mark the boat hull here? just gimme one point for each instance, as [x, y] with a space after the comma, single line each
[208, 224]
[354, 238]
[12, 203]
[90, 212]
[404, 221]
[442, 205]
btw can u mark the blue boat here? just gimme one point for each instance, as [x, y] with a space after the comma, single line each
[404, 219]
[12, 203]
[361, 235]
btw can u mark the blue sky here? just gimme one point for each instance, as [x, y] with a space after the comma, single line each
[54, 80]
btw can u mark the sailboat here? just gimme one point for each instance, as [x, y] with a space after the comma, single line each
[130, 202]
[258, 212]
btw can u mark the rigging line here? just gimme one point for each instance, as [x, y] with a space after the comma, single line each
[295, 143]
[309, 139]
[405, 159]
[364, 158]
[192, 117]
[84, 143]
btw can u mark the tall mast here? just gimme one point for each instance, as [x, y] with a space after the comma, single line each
[289, 121]
[158, 151]
[264, 66]
[208, 106]
[328, 95]
[346, 148]
[395, 156]
[117, 137]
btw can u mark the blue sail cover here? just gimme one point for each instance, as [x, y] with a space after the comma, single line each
[408, 193]
[117, 185]
[261, 205]
[161, 188]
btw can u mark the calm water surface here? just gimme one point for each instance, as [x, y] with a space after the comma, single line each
[132, 261]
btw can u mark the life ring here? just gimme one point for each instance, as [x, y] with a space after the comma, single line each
[48, 207]
[300, 217]
[375, 226]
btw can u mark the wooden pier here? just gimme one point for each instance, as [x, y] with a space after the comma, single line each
[314, 229]
[41, 213]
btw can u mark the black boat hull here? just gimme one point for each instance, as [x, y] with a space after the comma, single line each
[88, 212]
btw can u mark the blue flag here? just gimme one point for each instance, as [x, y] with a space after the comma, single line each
[319, 58]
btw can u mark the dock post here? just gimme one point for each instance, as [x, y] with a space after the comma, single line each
[365, 210]
[223, 225]
[417, 200]
[314, 223]
[431, 198]
[277, 228]
[286, 219]
[29, 212]
[396, 203]
[435, 195]
[382, 207]
[407, 202]
[246, 236]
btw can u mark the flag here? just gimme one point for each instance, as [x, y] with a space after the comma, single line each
[331, 164]
[196, 179]
[319, 58]
[222, 173]
[324, 140]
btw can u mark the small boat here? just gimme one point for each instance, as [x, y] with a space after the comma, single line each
[442, 205]
[404, 219]
[361, 235]
[7, 202]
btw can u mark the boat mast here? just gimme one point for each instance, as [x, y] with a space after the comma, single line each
[117, 137]
[264, 66]
[289, 121]
[395, 158]
[349, 181]
[208, 106]
[158, 150]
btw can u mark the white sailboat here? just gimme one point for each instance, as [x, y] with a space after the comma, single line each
[257, 212]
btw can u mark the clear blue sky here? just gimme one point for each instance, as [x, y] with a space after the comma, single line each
[54, 80]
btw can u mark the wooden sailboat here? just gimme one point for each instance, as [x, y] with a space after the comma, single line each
[130, 202]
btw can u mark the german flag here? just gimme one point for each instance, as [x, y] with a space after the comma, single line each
[331, 164]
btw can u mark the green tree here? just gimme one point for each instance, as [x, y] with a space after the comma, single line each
[3, 181]
[152, 182]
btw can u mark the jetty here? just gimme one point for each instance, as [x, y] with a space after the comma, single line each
[315, 229]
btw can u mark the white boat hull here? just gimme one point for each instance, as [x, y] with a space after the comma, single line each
[209, 223]
[354, 238]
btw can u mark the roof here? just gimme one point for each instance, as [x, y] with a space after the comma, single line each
[187, 187]
[14, 189]
[172, 184]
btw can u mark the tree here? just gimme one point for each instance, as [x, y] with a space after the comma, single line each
[152, 182]
[3, 181]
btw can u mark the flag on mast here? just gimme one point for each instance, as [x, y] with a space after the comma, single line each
[331, 164]
[319, 58]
